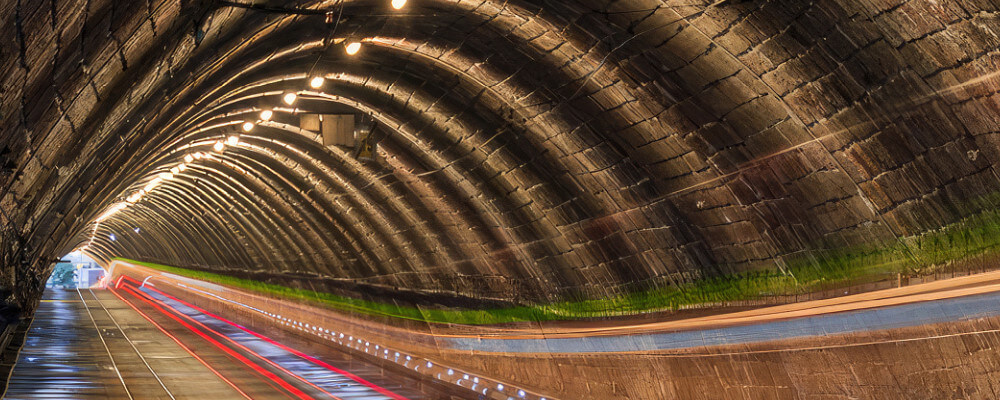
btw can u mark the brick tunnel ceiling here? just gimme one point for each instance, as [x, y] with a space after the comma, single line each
[528, 150]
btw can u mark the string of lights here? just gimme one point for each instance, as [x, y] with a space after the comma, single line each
[316, 81]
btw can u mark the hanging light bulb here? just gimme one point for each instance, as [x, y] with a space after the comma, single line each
[266, 115]
[107, 214]
[219, 146]
[233, 140]
[353, 48]
[188, 158]
[247, 126]
[398, 4]
[289, 98]
[152, 185]
[316, 82]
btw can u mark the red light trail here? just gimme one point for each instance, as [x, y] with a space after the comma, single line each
[257, 368]
[179, 343]
[129, 285]
[289, 349]
[240, 346]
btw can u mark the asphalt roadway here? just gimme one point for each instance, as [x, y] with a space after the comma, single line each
[956, 299]
[135, 342]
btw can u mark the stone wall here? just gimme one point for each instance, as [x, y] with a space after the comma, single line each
[530, 151]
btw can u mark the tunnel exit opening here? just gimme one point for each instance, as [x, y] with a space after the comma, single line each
[76, 270]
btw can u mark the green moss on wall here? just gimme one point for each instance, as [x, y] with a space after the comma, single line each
[805, 273]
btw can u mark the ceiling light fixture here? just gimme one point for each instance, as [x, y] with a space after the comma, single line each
[153, 184]
[266, 115]
[188, 158]
[219, 146]
[289, 98]
[107, 214]
[353, 48]
[316, 82]
[247, 126]
[233, 140]
[398, 4]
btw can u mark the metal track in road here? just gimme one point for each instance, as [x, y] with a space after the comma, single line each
[129, 340]
[63, 359]
[101, 336]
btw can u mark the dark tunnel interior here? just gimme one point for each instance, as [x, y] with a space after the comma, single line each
[633, 156]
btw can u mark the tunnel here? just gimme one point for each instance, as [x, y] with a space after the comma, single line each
[587, 199]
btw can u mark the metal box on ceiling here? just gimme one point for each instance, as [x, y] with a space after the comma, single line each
[336, 129]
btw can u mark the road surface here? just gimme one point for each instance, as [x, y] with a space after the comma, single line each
[132, 343]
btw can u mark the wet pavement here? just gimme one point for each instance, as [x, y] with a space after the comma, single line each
[84, 344]
[61, 357]
[133, 343]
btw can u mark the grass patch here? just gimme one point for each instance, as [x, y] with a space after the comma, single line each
[366, 307]
[818, 270]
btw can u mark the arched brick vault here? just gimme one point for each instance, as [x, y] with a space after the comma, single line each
[532, 149]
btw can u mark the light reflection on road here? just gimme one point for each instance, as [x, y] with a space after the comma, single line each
[308, 377]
